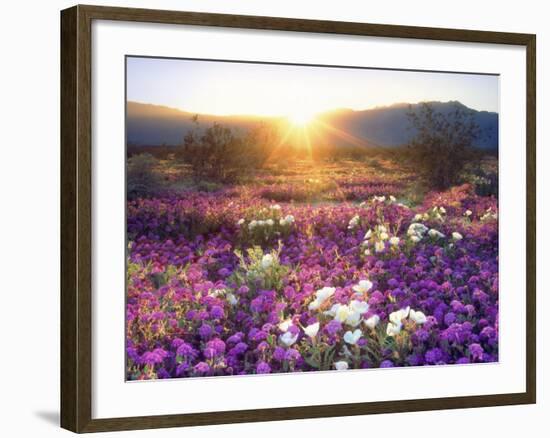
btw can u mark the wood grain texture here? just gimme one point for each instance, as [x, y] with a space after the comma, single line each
[69, 327]
[531, 218]
[76, 223]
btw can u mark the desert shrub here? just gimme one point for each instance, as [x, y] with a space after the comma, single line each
[208, 186]
[443, 143]
[142, 177]
[221, 154]
[485, 183]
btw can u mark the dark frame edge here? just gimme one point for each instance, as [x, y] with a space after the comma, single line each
[304, 412]
[531, 218]
[69, 327]
[76, 226]
[75, 345]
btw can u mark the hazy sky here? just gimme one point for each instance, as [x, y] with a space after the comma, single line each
[222, 88]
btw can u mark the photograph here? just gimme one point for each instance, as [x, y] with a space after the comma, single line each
[288, 218]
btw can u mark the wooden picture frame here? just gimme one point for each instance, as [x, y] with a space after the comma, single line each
[76, 217]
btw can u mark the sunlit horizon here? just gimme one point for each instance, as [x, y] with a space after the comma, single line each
[299, 93]
[298, 117]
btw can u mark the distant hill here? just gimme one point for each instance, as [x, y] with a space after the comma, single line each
[385, 126]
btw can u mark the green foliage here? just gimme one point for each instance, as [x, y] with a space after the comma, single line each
[218, 153]
[259, 270]
[319, 356]
[485, 182]
[443, 143]
[142, 177]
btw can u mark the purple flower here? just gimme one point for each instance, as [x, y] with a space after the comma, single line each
[216, 312]
[237, 337]
[153, 357]
[185, 350]
[476, 351]
[217, 345]
[292, 354]
[279, 354]
[263, 368]
[333, 327]
[205, 331]
[240, 348]
[433, 356]
[449, 318]
[202, 368]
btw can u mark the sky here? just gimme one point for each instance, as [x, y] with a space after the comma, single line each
[231, 88]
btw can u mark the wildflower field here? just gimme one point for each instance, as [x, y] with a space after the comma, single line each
[309, 266]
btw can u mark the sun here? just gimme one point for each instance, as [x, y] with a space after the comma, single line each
[300, 117]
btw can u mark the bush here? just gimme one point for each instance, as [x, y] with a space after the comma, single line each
[221, 154]
[443, 143]
[485, 182]
[142, 177]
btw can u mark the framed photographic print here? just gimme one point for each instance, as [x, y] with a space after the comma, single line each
[258, 212]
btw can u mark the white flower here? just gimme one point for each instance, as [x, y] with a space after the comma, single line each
[457, 236]
[417, 316]
[379, 246]
[341, 365]
[321, 296]
[363, 286]
[352, 337]
[367, 252]
[275, 207]
[488, 215]
[368, 234]
[312, 330]
[288, 338]
[252, 224]
[240, 222]
[399, 315]
[417, 229]
[435, 234]
[417, 217]
[442, 210]
[260, 223]
[393, 329]
[314, 305]
[332, 310]
[416, 239]
[285, 325]
[217, 292]
[381, 229]
[379, 198]
[384, 236]
[289, 219]
[468, 213]
[354, 221]
[394, 241]
[325, 293]
[231, 299]
[267, 261]
[372, 321]
[341, 312]
[353, 319]
[359, 306]
[392, 198]
[270, 222]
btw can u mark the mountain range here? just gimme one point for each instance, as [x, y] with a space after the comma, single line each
[152, 125]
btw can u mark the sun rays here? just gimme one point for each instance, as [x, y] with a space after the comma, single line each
[305, 129]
